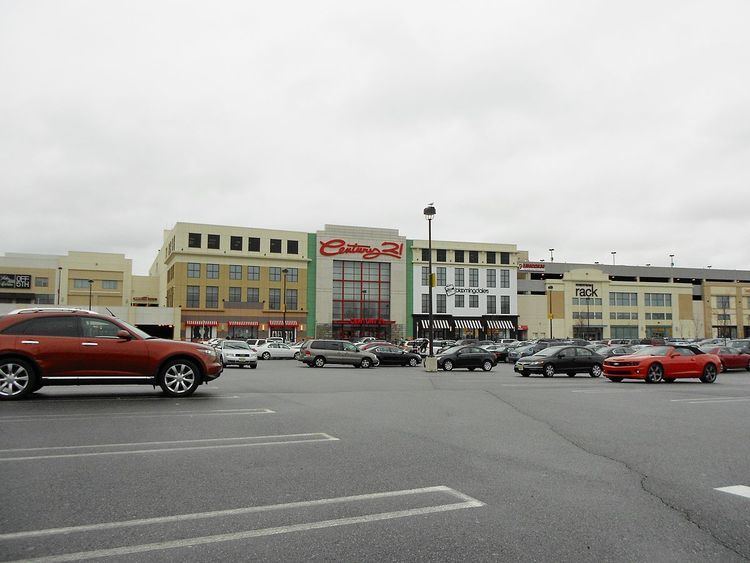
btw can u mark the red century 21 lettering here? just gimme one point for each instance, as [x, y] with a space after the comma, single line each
[337, 246]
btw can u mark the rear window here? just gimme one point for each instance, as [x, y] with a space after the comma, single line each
[46, 326]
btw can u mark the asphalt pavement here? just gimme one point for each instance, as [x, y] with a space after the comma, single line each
[289, 463]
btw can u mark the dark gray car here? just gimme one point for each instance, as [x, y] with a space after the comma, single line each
[317, 353]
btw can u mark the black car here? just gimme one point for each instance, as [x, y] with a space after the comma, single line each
[394, 356]
[561, 359]
[470, 357]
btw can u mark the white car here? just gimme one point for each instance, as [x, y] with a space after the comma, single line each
[275, 350]
[237, 353]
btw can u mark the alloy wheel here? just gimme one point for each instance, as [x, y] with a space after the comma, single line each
[179, 378]
[14, 379]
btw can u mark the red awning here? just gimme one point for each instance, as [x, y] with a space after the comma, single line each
[243, 323]
[362, 322]
[289, 324]
[202, 323]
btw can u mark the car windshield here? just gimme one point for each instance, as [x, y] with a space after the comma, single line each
[450, 349]
[237, 345]
[652, 351]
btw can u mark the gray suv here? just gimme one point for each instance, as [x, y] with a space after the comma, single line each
[317, 353]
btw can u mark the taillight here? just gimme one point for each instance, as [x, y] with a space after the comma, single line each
[307, 353]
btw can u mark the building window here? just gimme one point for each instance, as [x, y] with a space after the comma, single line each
[109, 284]
[253, 244]
[473, 301]
[361, 290]
[441, 255]
[193, 270]
[458, 275]
[473, 277]
[274, 273]
[634, 316]
[291, 299]
[612, 316]
[274, 299]
[253, 273]
[505, 257]
[505, 304]
[723, 316]
[194, 240]
[214, 241]
[425, 255]
[253, 295]
[212, 271]
[491, 304]
[504, 278]
[292, 275]
[623, 299]
[722, 302]
[440, 304]
[425, 302]
[425, 276]
[235, 272]
[623, 316]
[441, 278]
[235, 243]
[212, 297]
[235, 294]
[193, 296]
[276, 245]
[473, 256]
[492, 278]
[80, 284]
[492, 258]
[459, 301]
[41, 282]
[458, 256]
[292, 247]
[658, 299]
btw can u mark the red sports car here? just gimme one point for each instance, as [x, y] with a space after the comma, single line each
[731, 358]
[663, 363]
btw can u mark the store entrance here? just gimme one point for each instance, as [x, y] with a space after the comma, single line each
[353, 332]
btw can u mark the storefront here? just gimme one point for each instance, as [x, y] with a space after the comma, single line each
[200, 329]
[284, 329]
[242, 330]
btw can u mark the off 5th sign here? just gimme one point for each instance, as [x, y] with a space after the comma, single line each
[586, 290]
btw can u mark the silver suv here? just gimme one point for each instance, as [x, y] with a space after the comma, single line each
[317, 353]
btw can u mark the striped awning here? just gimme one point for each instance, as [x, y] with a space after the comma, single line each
[288, 324]
[243, 323]
[469, 323]
[500, 324]
[436, 323]
[201, 323]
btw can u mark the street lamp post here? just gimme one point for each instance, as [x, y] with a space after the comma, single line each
[549, 308]
[429, 214]
[59, 280]
[551, 256]
[91, 285]
[671, 260]
[285, 271]
[613, 256]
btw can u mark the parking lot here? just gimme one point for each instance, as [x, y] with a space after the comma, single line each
[289, 463]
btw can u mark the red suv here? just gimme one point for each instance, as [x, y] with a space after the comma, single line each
[75, 347]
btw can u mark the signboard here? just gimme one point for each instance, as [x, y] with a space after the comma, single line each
[337, 247]
[15, 281]
[586, 290]
[451, 289]
[531, 267]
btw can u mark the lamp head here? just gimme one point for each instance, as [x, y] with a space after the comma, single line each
[429, 212]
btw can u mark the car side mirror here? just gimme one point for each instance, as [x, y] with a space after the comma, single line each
[673, 355]
[124, 335]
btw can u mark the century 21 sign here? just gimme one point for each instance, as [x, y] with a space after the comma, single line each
[586, 290]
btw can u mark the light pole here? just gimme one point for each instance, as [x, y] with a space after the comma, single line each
[613, 256]
[671, 260]
[285, 271]
[91, 285]
[549, 308]
[551, 256]
[429, 214]
[59, 279]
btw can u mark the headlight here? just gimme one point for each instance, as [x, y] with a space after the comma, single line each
[534, 363]
[209, 352]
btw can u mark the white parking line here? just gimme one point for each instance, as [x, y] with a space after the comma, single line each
[142, 414]
[599, 391]
[739, 490]
[53, 398]
[203, 444]
[695, 401]
[465, 502]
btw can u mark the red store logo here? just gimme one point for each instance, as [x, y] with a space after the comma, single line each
[337, 246]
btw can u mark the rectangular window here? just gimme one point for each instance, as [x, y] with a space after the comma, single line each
[425, 255]
[440, 303]
[212, 271]
[722, 302]
[441, 278]
[235, 294]
[474, 256]
[194, 240]
[109, 284]
[253, 273]
[41, 282]
[648, 316]
[292, 275]
[292, 247]
[212, 297]
[658, 299]
[274, 273]
[235, 272]
[276, 245]
[425, 303]
[274, 299]
[473, 278]
[668, 316]
[504, 278]
[253, 244]
[193, 270]
[491, 257]
[722, 317]
[291, 299]
[458, 256]
[441, 255]
[491, 304]
[80, 284]
[425, 276]
[459, 301]
[361, 290]
[193, 296]
[612, 316]
[235, 243]
[473, 301]
[459, 277]
[623, 299]
[253, 295]
[492, 278]
[634, 316]
[214, 241]
[505, 257]
[623, 316]
[505, 304]
[576, 301]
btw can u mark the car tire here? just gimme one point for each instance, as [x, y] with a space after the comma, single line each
[709, 373]
[655, 374]
[319, 361]
[253, 366]
[18, 379]
[596, 370]
[525, 373]
[297, 356]
[571, 374]
[414, 363]
[487, 365]
[616, 379]
[447, 365]
[179, 378]
[365, 363]
[548, 370]
[266, 355]
[471, 369]
[669, 380]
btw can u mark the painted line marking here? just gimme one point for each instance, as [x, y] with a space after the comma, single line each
[739, 490]
[710, 400]
[53, 398]
[142, 414]
[466, 502]
[597, 391]
[202, 445]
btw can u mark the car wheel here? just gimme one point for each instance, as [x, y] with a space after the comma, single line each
[655, 373]
[596, 370]
[179, 378]
[414, 363]
[616, 379]
[487, 365]
[709, 374]
[366, 363]
[471, 369]
[319, 362]
[266, 355]
[525, 373]
[549, 370]
[17, 379]
[296, 356]
[447, 365]
[571, 374]
[669, 380]
[253, 366]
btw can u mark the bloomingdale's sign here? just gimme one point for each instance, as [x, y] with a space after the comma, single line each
[451, 289]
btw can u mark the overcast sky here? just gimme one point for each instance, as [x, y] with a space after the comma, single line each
[581, 126]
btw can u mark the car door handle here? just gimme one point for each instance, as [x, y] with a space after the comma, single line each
[29, 342]
[89, 344]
